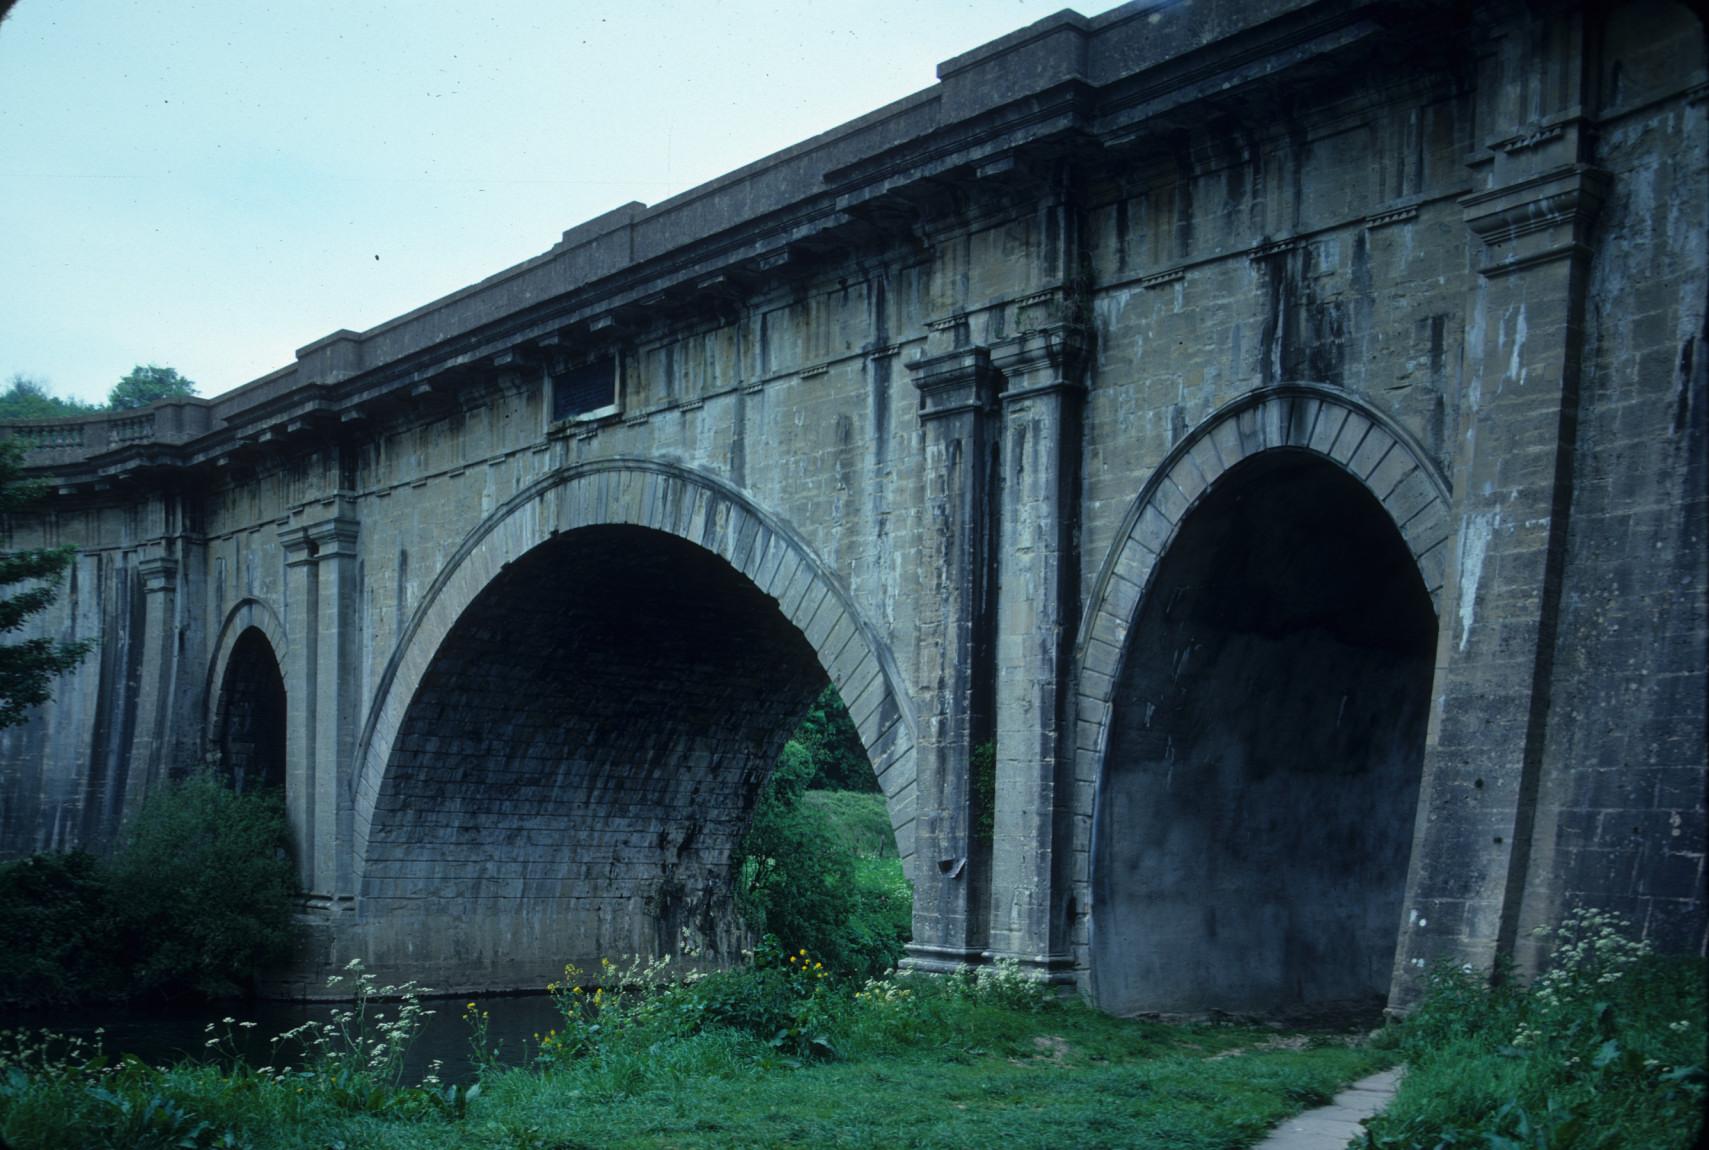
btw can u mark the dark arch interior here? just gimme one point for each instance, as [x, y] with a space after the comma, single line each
[581, 758]
[1260, 788]
[252, 715]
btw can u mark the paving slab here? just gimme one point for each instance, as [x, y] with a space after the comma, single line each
[1332, 1127]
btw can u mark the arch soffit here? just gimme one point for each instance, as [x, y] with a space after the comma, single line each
[692, 506]
[1326, 422]
[245, 613]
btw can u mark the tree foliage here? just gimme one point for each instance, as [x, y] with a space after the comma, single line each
[197, 899]
[26, 399]
[829, 737]
[202, 888]
[147, 383]
[29, 399]
[28, 666]
[55, 918]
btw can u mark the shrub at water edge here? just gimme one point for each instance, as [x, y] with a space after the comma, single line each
[197, 899]
[203, 889]
[55, 916]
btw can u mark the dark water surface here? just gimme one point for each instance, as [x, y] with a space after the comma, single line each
[166, 1035]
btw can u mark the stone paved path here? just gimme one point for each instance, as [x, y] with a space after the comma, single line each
[1332, 1127]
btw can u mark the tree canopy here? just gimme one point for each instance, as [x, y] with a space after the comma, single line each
[26, 398]
[145, 384]
[28, 666]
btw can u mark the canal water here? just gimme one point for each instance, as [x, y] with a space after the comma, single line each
[164, 1036]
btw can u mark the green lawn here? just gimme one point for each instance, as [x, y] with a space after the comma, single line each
[1013, 1079]
[935, 1067]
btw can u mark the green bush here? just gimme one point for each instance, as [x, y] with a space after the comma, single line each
[202, 888]
[1605, 1049]
[55, 917]
[197, 899]
[982, 768]
[800, 882]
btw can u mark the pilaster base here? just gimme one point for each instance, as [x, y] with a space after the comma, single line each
[1051, 969]
[929, 959]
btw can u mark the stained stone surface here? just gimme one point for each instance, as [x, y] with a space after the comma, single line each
[946, 406]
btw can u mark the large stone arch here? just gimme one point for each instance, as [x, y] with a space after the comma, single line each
[688, 506]
[1352, 455]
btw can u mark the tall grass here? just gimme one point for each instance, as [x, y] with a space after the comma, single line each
[777, 1054]
[1605, 1049]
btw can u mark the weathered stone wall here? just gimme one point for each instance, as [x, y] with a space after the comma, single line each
[70, 772]
[1619, 820]
[944, 406]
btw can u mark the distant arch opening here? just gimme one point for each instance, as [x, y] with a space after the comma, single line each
[580, 760]
[1256, 812]
[251, 741]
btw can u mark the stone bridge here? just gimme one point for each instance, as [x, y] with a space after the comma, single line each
[1278, 425]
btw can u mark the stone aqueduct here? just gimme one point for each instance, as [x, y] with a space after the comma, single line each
[1279, 425]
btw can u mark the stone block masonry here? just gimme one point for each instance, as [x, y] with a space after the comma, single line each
[1279, 426]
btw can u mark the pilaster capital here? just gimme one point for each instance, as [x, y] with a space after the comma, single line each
[158, 574]
[956, 381]
[308, 543]
[300, 550]
[1046, 360]
[1537, 218]
[333, 538]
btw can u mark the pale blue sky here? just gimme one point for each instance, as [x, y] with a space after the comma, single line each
[208, 185]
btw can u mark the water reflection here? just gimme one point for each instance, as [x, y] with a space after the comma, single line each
[166, 1036]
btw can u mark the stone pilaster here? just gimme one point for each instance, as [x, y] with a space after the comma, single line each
[335, 705]
[320, 701]
[301, 671]
[154, 702]
[955, 660]
[1513, 484]
[1036, 619]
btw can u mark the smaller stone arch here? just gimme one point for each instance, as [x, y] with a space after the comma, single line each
[1296, 420]
[244, 614]
[246, 675]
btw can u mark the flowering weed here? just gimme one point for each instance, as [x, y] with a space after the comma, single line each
[1605, 1048]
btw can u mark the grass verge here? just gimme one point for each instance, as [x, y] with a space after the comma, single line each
[1605, 1050]
[769, 1057]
